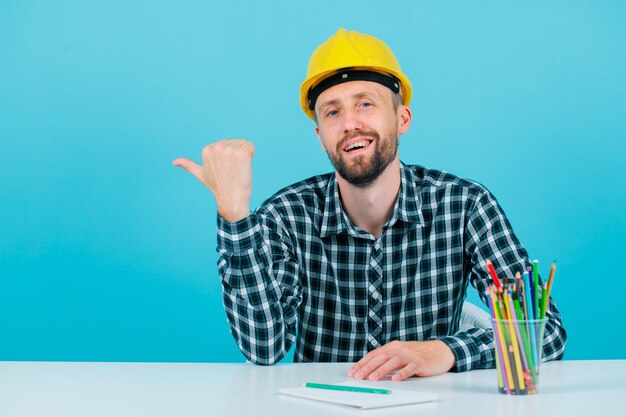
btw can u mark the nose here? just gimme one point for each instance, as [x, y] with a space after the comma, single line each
[351, 120]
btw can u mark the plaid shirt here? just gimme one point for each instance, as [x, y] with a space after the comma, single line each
[298, 269]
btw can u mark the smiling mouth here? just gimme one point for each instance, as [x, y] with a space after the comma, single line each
[356, 146]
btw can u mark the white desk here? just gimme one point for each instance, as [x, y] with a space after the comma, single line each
[569, 388]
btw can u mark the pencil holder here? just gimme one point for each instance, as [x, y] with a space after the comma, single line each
[518, 350]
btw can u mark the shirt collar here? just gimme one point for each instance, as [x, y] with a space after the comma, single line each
[407, 207]
[333, 218]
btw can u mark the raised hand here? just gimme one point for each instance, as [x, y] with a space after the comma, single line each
[227, 172]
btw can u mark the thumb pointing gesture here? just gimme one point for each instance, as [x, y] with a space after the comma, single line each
[227, 172]
[193, 168]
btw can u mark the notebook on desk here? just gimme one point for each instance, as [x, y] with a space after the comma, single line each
[359, 399]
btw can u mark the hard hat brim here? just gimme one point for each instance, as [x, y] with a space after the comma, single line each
[307, 85]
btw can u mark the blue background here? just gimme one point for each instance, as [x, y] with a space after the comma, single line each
[107, 252]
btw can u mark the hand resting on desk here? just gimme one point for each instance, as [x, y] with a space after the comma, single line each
[428, 358]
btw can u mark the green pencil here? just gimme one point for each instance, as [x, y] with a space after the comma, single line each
[544, 301]
[527, 348]
[364, 390]
[537, 287]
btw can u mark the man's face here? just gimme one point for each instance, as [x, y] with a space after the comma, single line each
[358, 127]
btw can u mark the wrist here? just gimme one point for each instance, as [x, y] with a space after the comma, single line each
[234, 208]
[234, 215]
[448, 359]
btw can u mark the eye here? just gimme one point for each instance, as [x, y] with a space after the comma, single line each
[331, 113]
[366, 104]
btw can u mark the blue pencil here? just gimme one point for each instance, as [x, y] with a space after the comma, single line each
[530, 308]
[530, 312]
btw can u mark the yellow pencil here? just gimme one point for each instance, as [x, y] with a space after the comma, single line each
[499, 333]
[514, 345]
[551, 278]
[498, 370]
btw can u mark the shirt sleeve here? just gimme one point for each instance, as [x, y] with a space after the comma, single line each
[489, 236]
[261, 290]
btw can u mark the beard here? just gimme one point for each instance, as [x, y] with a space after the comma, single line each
[362, 171]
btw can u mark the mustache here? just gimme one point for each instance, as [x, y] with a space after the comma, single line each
[371, 134]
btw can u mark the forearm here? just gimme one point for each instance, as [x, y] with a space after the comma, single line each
[472, 349]
[258, 293]
[258, 325]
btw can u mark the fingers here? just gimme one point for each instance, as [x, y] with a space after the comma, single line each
[381, 365]
[375, 358]
[249, 146]
[228, 148]
[364, 360]
[408, 371]
[369, 364]
[386, 368]
[359, 364]
[190, 166]
[427, 358]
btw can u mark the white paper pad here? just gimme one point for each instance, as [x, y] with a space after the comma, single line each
[359, 399]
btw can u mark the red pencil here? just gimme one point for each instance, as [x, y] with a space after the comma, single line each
[493, 274]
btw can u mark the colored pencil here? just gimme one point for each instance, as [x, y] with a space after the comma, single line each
[499, 365]
[550, 281]
[537, 285]
[544, 301]
[520, 340]
[364, 390]
[528, 296]
[531, 300]
[526, 342]
[518, 307]
[493, 274]
[500, 343]
[551, 277]
[513, 347]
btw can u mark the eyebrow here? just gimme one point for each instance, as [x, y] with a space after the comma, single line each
[329, 103]
[357, 96]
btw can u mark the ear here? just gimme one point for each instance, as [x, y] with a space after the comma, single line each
[317, 132]
[404, 119]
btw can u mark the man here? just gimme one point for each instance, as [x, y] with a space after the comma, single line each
[370, 263]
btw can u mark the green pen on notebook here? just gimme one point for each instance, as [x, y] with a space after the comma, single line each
[347, 388]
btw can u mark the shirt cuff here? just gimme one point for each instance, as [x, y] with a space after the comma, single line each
[466, 353]
[239, 236]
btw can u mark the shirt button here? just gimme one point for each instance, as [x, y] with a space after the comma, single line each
[375, 296]
[377, 245]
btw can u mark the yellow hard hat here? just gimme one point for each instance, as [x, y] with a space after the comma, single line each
[348, 56]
